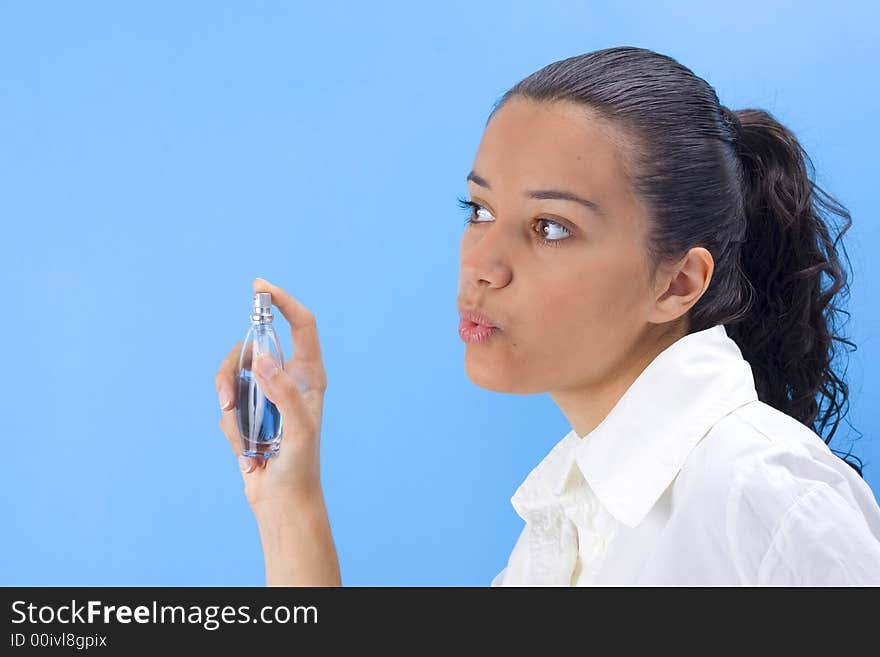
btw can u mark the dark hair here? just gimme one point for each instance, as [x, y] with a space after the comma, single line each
[737, 184]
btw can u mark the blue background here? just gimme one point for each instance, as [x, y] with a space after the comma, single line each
[155, 157]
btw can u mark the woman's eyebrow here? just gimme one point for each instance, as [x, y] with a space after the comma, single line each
[553, 194]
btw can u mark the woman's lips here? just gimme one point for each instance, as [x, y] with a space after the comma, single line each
[476, 316]
[474, 333]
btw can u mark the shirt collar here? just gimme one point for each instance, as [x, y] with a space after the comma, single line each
[631, 457]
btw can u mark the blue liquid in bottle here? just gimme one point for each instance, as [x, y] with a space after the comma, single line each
[259, 420]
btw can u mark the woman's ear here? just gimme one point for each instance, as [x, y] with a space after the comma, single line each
[682, 285]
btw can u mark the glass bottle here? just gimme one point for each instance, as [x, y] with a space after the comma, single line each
[259, 421]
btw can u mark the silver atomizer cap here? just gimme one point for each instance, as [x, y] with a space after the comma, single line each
[262, 307]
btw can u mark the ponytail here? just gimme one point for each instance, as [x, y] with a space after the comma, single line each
[788, 332]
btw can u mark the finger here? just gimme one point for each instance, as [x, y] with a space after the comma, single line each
[282, 391]
[226, 376]
[303, 329]
[229, 427]
[248, 464]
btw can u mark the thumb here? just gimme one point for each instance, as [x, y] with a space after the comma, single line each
[279, 387]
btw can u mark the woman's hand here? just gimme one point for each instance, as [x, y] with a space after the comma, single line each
[298, 392]
[285, 491]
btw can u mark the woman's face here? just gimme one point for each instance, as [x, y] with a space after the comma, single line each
[574, 310]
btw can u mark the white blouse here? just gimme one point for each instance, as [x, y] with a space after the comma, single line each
[690, 480]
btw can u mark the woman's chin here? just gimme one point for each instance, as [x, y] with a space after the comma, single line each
[489, 376]
[483, 374]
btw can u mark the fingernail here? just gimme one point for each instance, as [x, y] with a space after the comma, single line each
[245, 464]
[225, 399]
[266, 367]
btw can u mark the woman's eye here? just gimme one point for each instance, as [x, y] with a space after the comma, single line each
[481, 211]
[549, 222]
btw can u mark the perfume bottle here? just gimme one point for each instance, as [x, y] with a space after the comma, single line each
[259, 420]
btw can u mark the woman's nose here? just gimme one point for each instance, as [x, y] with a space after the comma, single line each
[486, 257]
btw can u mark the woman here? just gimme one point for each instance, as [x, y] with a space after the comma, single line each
[677, 319]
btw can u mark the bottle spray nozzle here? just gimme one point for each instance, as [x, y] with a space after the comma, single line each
[263, 300]
[262, 307]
